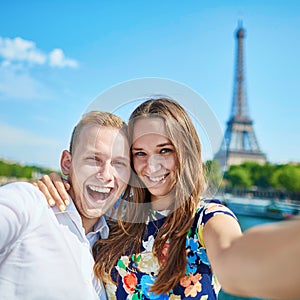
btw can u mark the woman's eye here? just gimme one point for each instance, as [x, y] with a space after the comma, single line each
[139, 153]
[166, 150]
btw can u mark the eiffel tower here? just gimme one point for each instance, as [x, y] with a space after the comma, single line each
[240, 143]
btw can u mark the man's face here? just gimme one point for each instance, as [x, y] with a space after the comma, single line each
[99, 170]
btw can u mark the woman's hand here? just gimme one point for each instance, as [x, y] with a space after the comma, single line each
[55, 189]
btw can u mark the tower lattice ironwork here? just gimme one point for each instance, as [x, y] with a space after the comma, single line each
[240, 143]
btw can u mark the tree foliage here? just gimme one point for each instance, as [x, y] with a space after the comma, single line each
[239, 177]
[214, 175]
[287, 177]
[15, 170]
[268, 176]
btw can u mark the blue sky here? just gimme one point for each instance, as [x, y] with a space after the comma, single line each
[57, 56]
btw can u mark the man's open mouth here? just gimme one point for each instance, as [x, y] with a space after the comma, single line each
[99, 193]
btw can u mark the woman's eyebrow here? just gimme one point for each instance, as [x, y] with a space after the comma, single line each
[137, 148]
[159, 145]
[165, 144]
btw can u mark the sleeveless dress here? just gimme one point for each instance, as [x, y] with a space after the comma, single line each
[136, 273]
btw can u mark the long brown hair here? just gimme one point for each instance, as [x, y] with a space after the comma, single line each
[126, 236]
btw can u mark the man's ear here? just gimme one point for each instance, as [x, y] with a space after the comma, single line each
[65, 162]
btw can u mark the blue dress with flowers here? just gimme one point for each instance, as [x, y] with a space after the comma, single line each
[136, 273]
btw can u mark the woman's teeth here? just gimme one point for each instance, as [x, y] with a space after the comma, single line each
[157, 179]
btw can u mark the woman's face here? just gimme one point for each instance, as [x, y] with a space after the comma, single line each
[154, 157]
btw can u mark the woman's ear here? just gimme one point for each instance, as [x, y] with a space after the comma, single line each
[65, 162]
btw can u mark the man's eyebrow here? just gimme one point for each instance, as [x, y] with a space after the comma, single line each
[94, 153]
[122, 157]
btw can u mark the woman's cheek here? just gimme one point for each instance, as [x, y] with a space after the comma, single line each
[137, 165]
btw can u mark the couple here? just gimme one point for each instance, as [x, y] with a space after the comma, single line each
[166, 241]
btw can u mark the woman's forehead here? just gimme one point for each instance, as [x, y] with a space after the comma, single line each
[146, 126]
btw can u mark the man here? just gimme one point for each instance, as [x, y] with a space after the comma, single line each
[44, 252]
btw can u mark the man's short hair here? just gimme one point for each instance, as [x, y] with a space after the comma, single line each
[100, 118]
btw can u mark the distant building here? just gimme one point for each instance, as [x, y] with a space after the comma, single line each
[240, 143]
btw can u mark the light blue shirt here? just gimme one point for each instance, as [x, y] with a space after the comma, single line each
[72, 219]
[43, 255]
[101, 231]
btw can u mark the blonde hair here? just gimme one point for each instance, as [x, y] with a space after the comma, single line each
[100, 118]
[188, 189]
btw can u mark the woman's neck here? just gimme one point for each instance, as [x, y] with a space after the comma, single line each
[162, 202]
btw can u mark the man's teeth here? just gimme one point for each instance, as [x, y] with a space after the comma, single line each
[156, 179]
[103, 190]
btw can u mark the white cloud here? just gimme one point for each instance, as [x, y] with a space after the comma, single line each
[19, 50]
[57, 59]
[17, 57]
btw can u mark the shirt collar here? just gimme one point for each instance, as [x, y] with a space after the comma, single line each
[100, 228]
[71, 208]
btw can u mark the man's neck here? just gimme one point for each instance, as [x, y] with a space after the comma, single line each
[88, 224]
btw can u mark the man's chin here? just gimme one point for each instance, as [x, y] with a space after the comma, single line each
[95, 212]
[98, 209]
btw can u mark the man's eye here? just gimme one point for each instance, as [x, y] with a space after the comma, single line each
[91, 158]
[94, 160]
[119, 163]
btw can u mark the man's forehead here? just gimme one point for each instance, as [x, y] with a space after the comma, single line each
[100, 128]
[101, 139]
[105, 132]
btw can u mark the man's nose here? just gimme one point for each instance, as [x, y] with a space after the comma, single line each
[105, 172]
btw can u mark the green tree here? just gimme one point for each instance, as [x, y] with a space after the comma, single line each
[5, 169]
[260, 174]
[287, 177]
[213, 174]
[8, 169]
[238, 176]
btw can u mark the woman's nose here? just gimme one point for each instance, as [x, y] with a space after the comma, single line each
[154, 163]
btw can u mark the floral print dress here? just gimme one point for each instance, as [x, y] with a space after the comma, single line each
[136, 273]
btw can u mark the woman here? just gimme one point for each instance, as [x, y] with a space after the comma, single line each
[162, 253]
[167, 241]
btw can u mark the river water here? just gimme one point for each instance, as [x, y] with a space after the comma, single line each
[245, 222]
